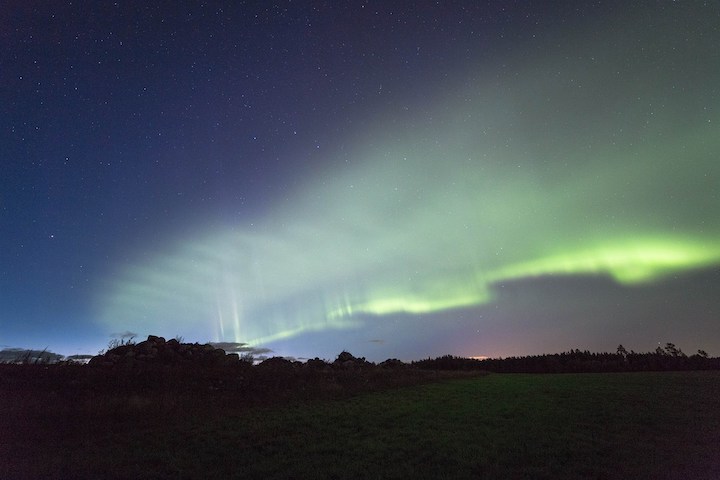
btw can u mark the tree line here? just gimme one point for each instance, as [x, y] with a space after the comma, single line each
[666, 358]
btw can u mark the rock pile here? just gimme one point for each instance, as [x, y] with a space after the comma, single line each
[348, 360]
[157, 351]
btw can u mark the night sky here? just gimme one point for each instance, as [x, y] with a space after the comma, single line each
[396, 179]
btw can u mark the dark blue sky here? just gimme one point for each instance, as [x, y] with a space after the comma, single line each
[372, 176]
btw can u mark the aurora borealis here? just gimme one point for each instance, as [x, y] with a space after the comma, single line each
[495, 179]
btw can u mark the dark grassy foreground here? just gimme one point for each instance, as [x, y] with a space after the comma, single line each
[623, 425]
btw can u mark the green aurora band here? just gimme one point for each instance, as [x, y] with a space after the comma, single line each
[615, 173]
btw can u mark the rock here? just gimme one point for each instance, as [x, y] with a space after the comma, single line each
[145, 347]
[392, 363]
[96, 360]
[156, 340]
[276, 363]
[348, 360]
[122, 349]
[317, 364]
[345, 357]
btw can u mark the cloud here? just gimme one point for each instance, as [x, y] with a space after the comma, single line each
[241, 348]
[21, 355]
[80, 357]
[230, 346]
[124, 335]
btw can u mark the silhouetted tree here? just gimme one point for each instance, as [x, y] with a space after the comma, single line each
[673, 351]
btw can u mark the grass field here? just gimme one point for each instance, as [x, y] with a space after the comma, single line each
[634, 425]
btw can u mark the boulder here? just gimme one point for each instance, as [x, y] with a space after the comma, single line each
[156, 340]
[392, 363]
